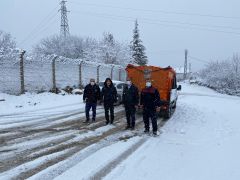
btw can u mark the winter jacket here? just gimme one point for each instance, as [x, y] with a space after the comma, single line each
[130, 96]
[150, 98]
[109, 93]
[91, 93]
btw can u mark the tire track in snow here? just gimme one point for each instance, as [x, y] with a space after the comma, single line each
[56, 144]
[115, 162]
[64, 143]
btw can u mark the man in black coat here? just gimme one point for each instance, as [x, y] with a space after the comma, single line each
[109, 97]
[91, 95]
[150, 102]
[130, 101]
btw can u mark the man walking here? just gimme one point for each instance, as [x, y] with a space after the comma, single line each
[130, 102]
[109, 97]
[91, 95]
[150, 102]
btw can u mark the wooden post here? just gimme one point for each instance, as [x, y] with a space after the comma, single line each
[112, 72]
[22, 71]
[98, 74]
[80, 75]
[54, 74]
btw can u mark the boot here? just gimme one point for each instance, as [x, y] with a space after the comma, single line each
[86, 121]
[127, 127]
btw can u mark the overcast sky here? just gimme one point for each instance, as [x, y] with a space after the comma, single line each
[209, 29]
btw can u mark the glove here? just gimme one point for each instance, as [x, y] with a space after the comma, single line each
[158, 109]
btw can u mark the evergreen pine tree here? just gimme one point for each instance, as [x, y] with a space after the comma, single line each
[138, 50]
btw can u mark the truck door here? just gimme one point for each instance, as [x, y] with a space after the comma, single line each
[173, 93]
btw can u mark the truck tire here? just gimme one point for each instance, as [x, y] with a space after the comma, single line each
[168, 112]
[175, 105]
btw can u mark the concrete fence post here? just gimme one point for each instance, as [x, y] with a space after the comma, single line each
[80, 75]
[98, 73]
[54, 86]
[112, 72]
[120, 74]
[22, 71]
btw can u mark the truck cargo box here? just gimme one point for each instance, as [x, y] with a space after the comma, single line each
[164, 79]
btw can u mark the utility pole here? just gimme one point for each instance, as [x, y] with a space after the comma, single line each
[64, 20]
[190, 67]
[185, 64]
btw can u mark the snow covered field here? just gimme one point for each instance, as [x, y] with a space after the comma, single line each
[200, 141]
[35, 102]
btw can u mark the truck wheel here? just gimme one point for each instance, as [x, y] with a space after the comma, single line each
[168, 112]
[175, 105]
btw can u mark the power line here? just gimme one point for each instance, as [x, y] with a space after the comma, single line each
[173, 22]
[157, 11]
[41, 31]
[163, 23]
[40, 25]
[198, 59]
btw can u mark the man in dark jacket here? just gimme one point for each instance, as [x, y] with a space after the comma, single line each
[109, 97]
[150, 102]
[130, 101]
[91, 95]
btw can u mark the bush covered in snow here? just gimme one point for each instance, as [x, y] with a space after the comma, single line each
[222, 76]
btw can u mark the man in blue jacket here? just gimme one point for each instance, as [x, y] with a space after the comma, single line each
[90, 96]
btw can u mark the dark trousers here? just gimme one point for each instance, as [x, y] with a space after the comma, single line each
[87, 109]
[130, 115]
[150, 114]
[109, 107]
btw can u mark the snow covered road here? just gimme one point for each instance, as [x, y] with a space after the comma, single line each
[200, 141]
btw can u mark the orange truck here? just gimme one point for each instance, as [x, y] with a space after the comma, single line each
[164, 79]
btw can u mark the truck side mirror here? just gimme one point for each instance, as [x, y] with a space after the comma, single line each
[179, 88]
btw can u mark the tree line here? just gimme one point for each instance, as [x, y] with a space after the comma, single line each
[106, 50]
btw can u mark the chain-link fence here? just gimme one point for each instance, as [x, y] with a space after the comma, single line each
[49, 73]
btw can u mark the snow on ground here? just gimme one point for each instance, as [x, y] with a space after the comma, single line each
[199, 142]
[35, 102]
[31, 108]
[89, 166]
[11, 174]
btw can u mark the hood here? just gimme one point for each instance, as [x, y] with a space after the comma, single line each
[105, 83]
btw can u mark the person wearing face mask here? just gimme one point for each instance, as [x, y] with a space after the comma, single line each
[150, 102]
[130, 101]
[109, 97]
[90, 96]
